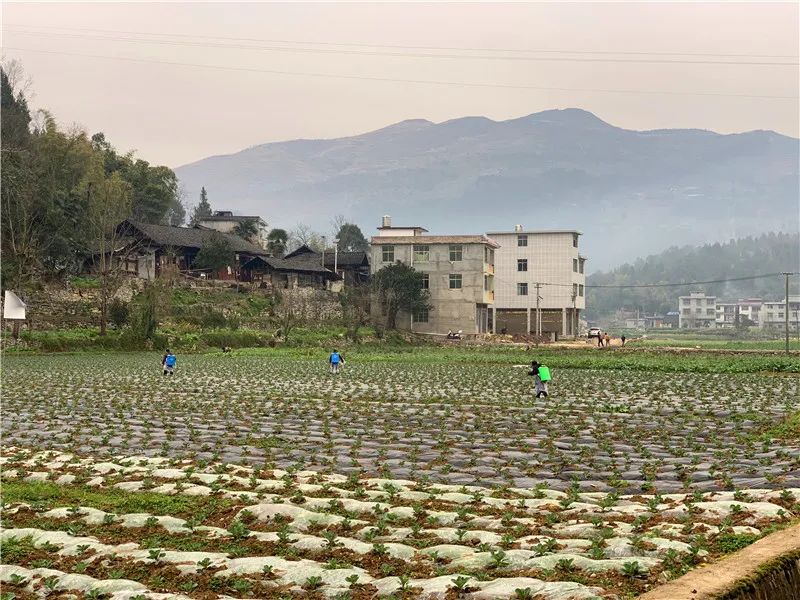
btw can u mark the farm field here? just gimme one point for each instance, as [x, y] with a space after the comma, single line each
[258, 475]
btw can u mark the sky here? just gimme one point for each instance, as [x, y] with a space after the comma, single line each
[102, 66]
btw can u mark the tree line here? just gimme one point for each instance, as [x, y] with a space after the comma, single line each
[62, 188]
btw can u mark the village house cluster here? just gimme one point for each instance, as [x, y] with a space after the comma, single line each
[698, 310]
[517, 282]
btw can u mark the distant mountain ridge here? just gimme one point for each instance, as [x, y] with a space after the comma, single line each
[630, 192]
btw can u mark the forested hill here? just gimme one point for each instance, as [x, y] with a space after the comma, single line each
[768, 253]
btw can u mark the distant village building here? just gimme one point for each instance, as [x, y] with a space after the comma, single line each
[773, 314]
[749, 308]
[225, 221]
[726, 313]
[551, 258]
[351, 267]
[697, 310]
[458, 272]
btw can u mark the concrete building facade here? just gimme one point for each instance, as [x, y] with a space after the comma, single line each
[550, 258]
[773, 314]
[697, 310]
[458, 271]
[725, 314]
[225, 221]
[749, 308]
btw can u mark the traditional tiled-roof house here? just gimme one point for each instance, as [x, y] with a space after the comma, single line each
[163, 246]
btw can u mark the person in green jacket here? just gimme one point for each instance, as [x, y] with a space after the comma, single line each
[541, 375]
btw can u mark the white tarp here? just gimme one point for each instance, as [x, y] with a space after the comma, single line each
[13, 307]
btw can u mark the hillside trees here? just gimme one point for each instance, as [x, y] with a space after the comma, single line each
[46, 170]
[215, 254]
[745, 257]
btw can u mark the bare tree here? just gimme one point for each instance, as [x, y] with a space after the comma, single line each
[290, 310]
[303, 235]
[108, 203]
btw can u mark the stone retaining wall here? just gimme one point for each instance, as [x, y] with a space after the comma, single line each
[769, 569]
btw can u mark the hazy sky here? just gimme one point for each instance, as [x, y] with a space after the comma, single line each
[174, 114]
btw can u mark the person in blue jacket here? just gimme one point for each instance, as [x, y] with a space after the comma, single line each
[335, 360]
[168, 362]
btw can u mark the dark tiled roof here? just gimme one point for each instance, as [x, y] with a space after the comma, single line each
[298, 264]
[189, 237]
[347, 259]
[230, 218]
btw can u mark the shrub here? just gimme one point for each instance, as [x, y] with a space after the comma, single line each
[118, 313]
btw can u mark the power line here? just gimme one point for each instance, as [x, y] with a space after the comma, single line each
[411, 81]
[681, 61]
[656, 285]
[410, 47]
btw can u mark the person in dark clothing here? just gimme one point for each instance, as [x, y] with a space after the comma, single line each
[623, 340]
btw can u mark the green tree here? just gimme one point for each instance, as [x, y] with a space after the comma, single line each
[351, 239]
[276, 242]
[154, 188]
[399, 287]
[203, 208]
[247, 229]
[215, 254]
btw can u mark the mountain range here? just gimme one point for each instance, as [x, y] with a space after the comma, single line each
[631, 193]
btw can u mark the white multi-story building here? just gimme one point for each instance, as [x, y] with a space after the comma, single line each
[549, 258]
[749, 309]
[697, 310]
[773, 314]
[725, 314]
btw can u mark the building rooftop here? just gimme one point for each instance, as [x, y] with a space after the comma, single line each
[417, 227]
[230, 218]
[436, 239]
[186, 237]
[534, 231]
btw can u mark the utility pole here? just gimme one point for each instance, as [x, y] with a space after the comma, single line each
[574, 319]
[538, 314]
[786, 310]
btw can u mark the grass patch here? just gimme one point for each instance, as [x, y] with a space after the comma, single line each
[788, 429]
[48, 495]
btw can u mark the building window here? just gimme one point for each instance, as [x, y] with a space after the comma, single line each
[456, 252]
[574, 265]
[574, 289]
[522, 289]
[426, 281]
[422, 254]
[780, 315]
[488, 256]
[485, 283]
[387, 253]
[580, 290]
[581, 265]
[522, 241]
[455, 281]
[710, 311]
[522, 264]
[686, 302]
[420, 315]
[574, 240]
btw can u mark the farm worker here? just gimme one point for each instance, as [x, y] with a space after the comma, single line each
[606, 340]
[541, 375]
[623, 341]
[168, 362]
[335, 360]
